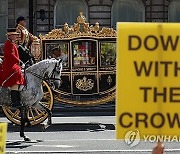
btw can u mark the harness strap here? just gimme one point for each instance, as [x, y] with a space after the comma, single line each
[36, 75]
[8, 78]
[40, 77]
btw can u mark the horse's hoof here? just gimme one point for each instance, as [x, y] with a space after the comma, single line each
[49, 123]
[26, 138]
[45, 126]
[29, 124]
[21, 134]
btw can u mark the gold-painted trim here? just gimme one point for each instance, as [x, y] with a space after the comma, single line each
[84, 84]
[105, 99]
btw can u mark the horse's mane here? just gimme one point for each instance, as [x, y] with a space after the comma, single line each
[41, 64]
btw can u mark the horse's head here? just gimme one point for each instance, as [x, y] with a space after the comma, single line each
[48, 70]
[54, 74]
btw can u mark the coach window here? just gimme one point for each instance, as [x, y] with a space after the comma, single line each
[127, 11]
[174, 11]
[67, 11]
[3, 20]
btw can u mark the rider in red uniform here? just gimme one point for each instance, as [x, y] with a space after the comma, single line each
[11, 74]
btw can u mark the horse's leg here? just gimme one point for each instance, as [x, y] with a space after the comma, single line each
[49, 117]
[23, 120]
[49, 122]
[26, 118]
[43, 107]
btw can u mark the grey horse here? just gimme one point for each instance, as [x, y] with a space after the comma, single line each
[31, 94]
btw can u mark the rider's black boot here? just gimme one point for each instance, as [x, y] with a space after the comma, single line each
[15, 98]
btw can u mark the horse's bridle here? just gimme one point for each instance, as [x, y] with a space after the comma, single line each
[56, 69]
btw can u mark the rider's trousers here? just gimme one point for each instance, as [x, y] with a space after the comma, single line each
[15, 98]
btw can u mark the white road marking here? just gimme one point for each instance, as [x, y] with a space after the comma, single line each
[89, 151]
[65, 140]
[56, 146]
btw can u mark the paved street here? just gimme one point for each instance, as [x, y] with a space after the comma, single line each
[85, 134]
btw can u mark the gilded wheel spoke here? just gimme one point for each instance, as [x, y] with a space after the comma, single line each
[16, 113]
[37, 112]
[32, 115]
[28, 115]
[45, 103]
[47, 97]
[46, 93]
[42, 112]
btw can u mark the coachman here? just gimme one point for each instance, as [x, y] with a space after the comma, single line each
[11, 74]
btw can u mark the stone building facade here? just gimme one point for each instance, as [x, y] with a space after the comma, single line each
[45, 15]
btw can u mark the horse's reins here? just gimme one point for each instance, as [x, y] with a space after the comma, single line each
[7, 78]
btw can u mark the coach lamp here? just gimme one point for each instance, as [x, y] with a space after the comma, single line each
[35, 49]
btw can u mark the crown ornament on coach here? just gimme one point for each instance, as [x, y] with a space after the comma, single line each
[78, 29]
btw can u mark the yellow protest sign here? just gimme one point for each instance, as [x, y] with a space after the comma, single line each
[3, 131]
[148, 80]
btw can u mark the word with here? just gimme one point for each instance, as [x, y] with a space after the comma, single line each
[155, 67]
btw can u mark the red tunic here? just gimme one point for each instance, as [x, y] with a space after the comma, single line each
[11, 70]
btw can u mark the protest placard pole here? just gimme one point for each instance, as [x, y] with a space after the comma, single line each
[3, 132]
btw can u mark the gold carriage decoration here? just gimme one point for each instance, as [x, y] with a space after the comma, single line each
[89, 55]
[79, 29]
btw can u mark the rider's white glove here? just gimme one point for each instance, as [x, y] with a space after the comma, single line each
[1, 61]
[23, 66]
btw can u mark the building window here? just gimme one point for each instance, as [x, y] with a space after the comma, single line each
[22, 9]
[127, 11]
[174, 11]
[67, 11]
[3, 20]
